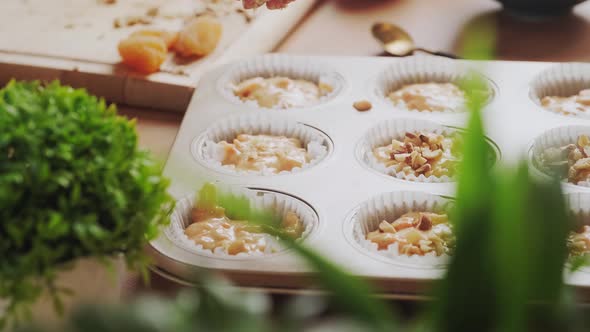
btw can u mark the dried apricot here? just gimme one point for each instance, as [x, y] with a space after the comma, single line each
[145, 54]
[167, 36]
[199, 36]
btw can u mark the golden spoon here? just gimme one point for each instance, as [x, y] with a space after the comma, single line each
[398, 42]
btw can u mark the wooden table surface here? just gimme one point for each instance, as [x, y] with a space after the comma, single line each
[342, 27]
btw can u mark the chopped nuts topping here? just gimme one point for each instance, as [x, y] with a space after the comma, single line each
[212, 229]
[571, 161]
[425, 224]
[578, 242]
[265, 152]
[424, 169]
[429, 97]
[416, 233]
[572, 105]
[419, 153]
[281, 92]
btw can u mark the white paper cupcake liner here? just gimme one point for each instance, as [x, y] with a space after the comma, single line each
[382, 135]
[424, 69]
[274, 65]
[274, 201]
[563, 80]
[390, 206]
[207, 150]
[579, 205]
[554, 138]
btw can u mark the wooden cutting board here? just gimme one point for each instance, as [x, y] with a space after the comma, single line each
[75, 41]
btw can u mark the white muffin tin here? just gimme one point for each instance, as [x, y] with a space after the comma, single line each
[341, 182]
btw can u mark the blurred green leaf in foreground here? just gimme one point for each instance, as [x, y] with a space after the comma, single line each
[507, 272]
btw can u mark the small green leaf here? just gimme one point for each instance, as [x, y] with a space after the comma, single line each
[207, 197]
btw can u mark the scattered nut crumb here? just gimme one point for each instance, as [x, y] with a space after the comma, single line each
[247, 15]
[176, 71]
[69, 26]
[362, 105]
[153, 12]
[131, 21]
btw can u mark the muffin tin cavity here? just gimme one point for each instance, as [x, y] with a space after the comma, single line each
[563, 80]
[398, 129]
[295, 69]
[209, 150]
[388, 207]
[280, 203]
[447, 76]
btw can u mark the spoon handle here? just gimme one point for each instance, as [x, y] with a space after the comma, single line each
[444, 54]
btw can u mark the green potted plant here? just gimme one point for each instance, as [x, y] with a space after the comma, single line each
[76, 194]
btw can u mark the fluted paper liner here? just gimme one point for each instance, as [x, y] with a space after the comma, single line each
[424, 69]
[579, 205]
[554, 138]
[390, 206]
[206, 148]
[382, 135]
[563, 80]
[277, 202]
[274, 65]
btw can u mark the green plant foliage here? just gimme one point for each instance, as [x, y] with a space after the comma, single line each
[73, 184]
[507, 271]
[463, 290]
[530, 249]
